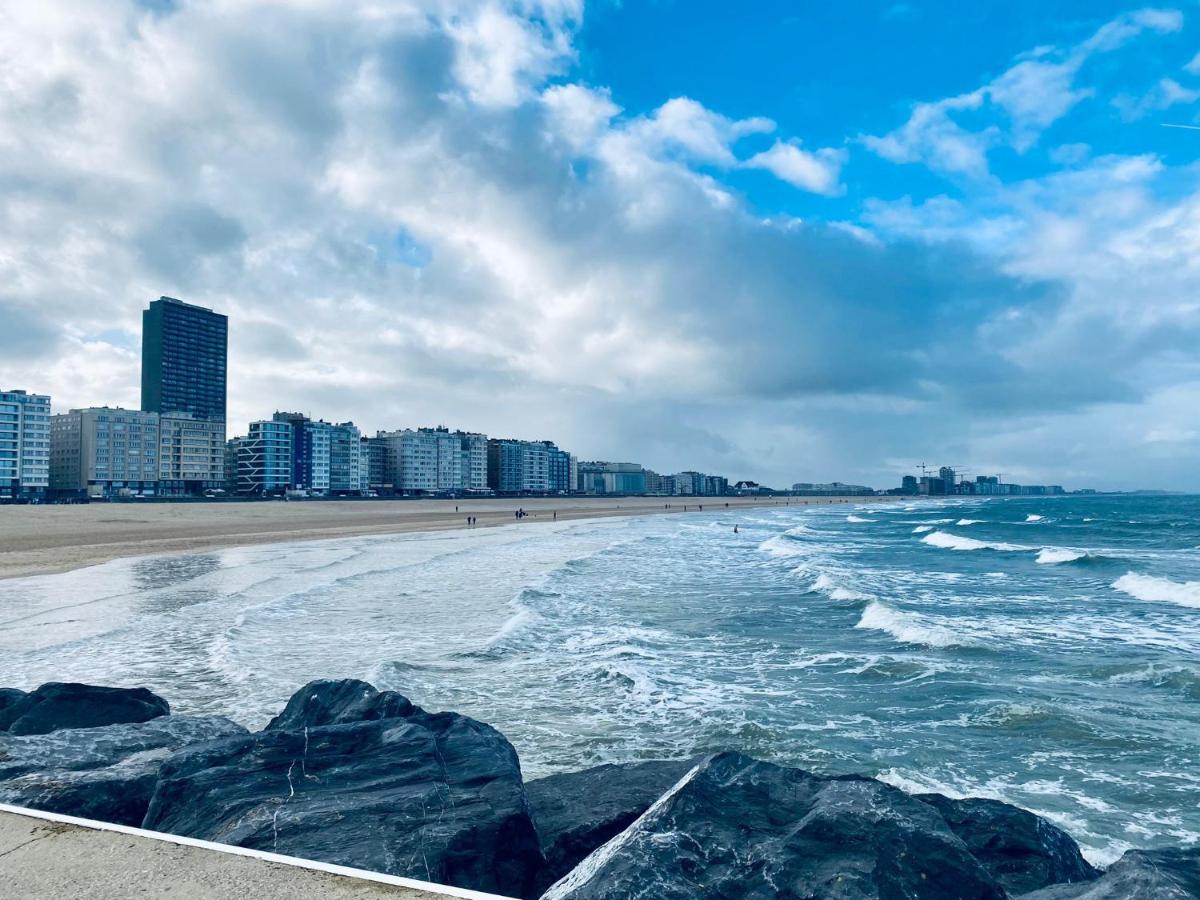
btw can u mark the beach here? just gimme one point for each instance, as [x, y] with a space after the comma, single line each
[41, 540]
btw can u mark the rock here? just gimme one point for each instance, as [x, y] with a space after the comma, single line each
[8, 697]
[577, 812]
[105, 773]
[436, 797]
[339, 702]
[1022, 851]
[1138, 875]
[736, 827]
[54, 706]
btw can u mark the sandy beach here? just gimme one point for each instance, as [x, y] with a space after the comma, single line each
[36, 540]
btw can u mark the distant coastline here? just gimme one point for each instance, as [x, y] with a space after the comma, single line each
[43, 540]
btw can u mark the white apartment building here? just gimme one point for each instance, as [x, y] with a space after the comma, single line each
[103, 452]
[24, 444]
[426, 460]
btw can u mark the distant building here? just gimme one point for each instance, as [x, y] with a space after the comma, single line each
[104, 452]
[908, 484]
[191, 455]
[832, 489]
[264, 459]
[698, 484]
[527, 467]
[433, 460]
[24, 445]
[347, 462]
[612, 478]
[184, 351]
[311, 453]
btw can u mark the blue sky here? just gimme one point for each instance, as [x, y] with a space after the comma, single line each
[781, 241]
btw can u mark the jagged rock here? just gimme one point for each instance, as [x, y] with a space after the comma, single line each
[321, 703]
[1138, 875]
[55, 705]
[105, 773]
[736, 827]
[577, 812]
[436, 797]
[1022, 851]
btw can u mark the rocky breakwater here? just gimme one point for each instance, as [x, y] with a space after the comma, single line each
[355, 776]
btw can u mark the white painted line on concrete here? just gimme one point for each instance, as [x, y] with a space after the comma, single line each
[312, 865]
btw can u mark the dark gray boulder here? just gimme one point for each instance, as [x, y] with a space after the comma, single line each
[321, 703]
[105, 773]
[55, 706]
[436, 797]
[738, 828]
[1138, 875]
[9, 697]
[577, 812]
[1022, 851]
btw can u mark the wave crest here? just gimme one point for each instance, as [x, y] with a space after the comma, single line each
[1159, 590]
[948, 541]
[910, 628]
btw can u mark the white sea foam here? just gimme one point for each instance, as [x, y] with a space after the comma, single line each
[948, 541]
[921, 529]
[834, 591]
[1159, 590]
[909, 627]
[1051, 556]
[858, 519]
[1034, 517]
[968, 521]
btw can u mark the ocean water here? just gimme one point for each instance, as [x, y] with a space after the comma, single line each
[1042, 651]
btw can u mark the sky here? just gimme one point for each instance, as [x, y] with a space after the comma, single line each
[802, 241]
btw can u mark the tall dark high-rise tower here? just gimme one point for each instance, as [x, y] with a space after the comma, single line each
[184, 348]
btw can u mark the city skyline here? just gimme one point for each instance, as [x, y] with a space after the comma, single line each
[543, 219]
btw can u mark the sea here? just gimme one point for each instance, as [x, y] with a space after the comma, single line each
[1044, 651]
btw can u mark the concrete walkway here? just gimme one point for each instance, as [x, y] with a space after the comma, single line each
[43, 855]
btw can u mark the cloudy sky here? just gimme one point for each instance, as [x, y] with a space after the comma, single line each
[778, 240]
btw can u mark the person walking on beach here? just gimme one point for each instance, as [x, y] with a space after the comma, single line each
[735, 531]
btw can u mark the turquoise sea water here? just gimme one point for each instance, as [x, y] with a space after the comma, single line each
[1043, 651]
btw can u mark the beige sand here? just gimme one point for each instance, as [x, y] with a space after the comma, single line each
[37, 540]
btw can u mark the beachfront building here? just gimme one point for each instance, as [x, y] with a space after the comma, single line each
[433, 460]
[601, 478]
[347, 462]
[698, 484]
[24, 445]
[527, 467]
[311, 441]
[264, 459]
[103, 452]
[191, 455]
[831, 489]
[184, 350]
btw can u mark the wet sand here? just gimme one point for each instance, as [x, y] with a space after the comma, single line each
[38, 540]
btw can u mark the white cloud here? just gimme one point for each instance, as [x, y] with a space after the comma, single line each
[1166, 93]
[817, 172]
[1034, 93]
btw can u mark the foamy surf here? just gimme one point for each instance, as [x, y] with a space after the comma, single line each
[921, 529]
[858, 520]
[1159, 590]
[834, 591]
[947, 541]
[1053, 556]
[1033, 517]
[968, 521]
[909, 627]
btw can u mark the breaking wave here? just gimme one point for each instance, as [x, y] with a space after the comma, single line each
[1052, 556]
[1159, 590]
[1034, 517]
[921, 529]
[910, 628]
[948, 541]
[858, 519]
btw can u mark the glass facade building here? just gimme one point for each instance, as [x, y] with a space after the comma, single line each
[24, 445]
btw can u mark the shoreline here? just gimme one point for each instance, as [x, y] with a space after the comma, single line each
[48, 539]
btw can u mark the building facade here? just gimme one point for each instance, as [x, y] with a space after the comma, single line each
[432, 460]
[264, 459]
[347, 461]
[104, 452]
[184, 355]
[24, 445]
[191, 455]
[612, 478]
[527, 467]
